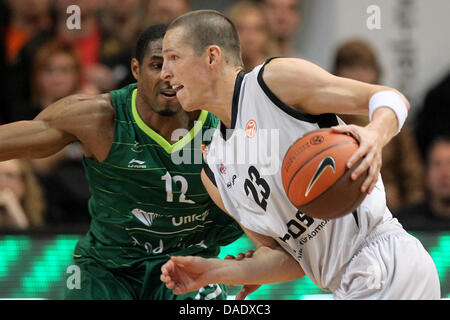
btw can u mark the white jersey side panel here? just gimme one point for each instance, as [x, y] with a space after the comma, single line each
[247, 172]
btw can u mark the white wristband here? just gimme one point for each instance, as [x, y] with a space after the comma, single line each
[392, 100]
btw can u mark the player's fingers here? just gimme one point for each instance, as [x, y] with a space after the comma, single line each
[241, 295]
[170, 284]
[346, 128]
[363, 148]
[362, 151]
[240, 256]
[374, 171]
[372, 186]
[229, 257]
[164, 277]
[366, 144]
[168, 281]
[167, 267]
[249, 253]
[363, 166]
[349, 129]
[245, 291]
[372, 175]
[181, 261]
[178, 290]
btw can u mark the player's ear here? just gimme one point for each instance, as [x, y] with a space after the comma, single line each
[214, 54]
[135, 68]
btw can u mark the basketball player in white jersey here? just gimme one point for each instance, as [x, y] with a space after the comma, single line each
[363, 255]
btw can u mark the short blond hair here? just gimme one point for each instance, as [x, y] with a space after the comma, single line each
[203, 28]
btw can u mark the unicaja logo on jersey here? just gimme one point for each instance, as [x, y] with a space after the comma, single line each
[146, 218]
[251, 128]
[178, 221]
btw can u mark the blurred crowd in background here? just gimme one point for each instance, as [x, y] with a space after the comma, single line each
[42, 60]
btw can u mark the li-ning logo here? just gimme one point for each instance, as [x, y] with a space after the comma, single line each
[137, 164]
[326, 162]
[251, 128]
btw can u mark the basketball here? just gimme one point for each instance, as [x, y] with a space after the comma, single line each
[316, 178]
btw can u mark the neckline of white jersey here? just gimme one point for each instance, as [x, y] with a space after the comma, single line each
[234, 107]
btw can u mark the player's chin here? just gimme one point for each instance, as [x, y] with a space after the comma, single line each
[186, 103]
[189, 107]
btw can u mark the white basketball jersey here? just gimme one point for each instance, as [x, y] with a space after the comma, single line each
[246, 167]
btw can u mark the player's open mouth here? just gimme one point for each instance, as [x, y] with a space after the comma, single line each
[177, 87]
[168, 93]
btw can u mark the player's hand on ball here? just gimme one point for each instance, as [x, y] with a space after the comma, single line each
[370, 148]
[186, 274]
[248, 288]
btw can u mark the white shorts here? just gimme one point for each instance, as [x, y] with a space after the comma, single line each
[390, 266]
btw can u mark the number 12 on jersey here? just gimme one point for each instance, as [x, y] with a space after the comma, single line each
[184, 187]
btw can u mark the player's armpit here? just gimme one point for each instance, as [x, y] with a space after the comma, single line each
[260, 240]
[291, 268]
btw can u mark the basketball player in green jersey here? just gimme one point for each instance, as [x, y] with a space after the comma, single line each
[144, 207]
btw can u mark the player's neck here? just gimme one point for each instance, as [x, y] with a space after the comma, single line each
[165, 125]
[221, 100]
[251, 62]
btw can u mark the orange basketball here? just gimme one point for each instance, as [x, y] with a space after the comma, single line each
[316, 178]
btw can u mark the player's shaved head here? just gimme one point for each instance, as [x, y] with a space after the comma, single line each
[203, 28]
[152, 33]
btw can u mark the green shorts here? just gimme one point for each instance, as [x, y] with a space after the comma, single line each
[140, 282]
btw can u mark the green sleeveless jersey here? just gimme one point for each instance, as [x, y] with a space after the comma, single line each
[147, 199]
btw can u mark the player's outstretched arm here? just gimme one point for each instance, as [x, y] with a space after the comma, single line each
[246, 289]
[30, 139]
[65, 121]
[312, 90]
[267, 265]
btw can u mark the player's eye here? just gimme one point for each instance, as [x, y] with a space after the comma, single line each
[156, 66]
